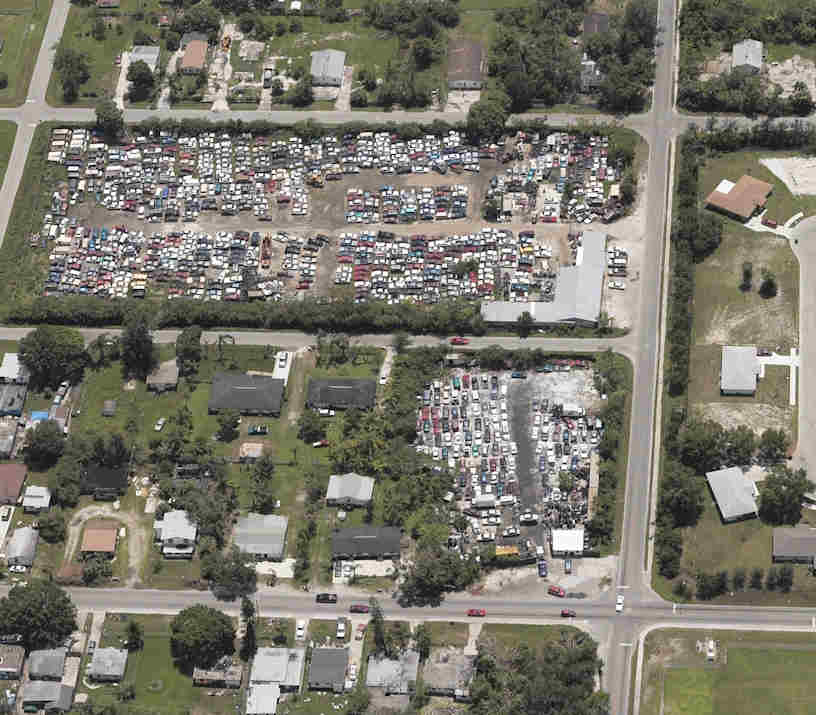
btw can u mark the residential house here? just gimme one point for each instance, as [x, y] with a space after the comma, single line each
[746, 57]
[22, 546]
[50, 697]
[327, 670]
[177, 534]
[349, 490]
[47, 664]
[327, 68]
[261, 535]
[36, 499]
[739, 370]
[195, 57]
[734, 493]
[104, 482]
[11, 661]
[341, 393]
[366, 542]
[248, 394]
[108, 665]
[99, 538]
[396, 676]
[278, 666]
[794, 545]
[164, 378]
[12, 477]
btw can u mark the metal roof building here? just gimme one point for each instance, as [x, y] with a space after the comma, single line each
[739, 370]
[567, 541]
[48, 696]
[47, 664]
[282, 667]
[578, 291]
[249, 394]
[22, 546]
[327, 670]
[176, 533]
[747, 56]
[36, 498]
[734, 493]
[396, 676]
[108, 664]
[261, 535]
[796, 544]
[12, 370]
[262, 699]
[349, 489]
[149, 54]
[327, 68]
[366, 542]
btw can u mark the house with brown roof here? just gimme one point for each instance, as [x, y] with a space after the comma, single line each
[465, 65]
[12, 478]
[741, 200]
[195, 57]
[99, 538]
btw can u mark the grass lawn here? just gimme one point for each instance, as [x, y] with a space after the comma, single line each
[725, 315]
[507, 637]
[102, 55]
[22, 34]
[314, 703]
[8, 131]
[172, 573]
[447, 634]
[269, 627]
[762, 673]
[159, 685]
[323, 631]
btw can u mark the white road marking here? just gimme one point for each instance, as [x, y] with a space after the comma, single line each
[626, 645]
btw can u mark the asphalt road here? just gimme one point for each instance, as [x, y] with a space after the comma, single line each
[618, 632]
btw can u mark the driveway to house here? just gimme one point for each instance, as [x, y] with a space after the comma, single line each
[137, 539]
[122, 83]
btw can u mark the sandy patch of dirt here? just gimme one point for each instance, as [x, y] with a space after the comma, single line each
[797, 173]
[716, 67]
[757, 416]
[795, 69]
[733, 326]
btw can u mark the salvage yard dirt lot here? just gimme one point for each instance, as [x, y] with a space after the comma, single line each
[761, 673]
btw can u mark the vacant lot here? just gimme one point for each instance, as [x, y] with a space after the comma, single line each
[22, 24]
[159, 685]
[507, 637]
[758, 673]
[448, 634]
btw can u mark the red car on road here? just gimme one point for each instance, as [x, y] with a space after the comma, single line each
[458, 340]
[567, 613]
[477, 612]
[556, 591]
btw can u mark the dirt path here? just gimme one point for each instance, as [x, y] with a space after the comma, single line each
[137, 539]
[297, 382]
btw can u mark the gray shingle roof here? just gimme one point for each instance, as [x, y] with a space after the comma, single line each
[739, 369]
[733, 492]
[577, 291]
[246, 393]
[261, 534]
[341, 393]
[328, 667]
[47, 663]
[366, 541]
[54, 695]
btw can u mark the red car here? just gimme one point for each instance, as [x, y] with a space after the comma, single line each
[556, 591]
[477, 612]
[358, 608]
[567, 613]
[459, 341]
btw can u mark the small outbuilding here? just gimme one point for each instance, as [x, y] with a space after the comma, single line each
[109, 408]
[794, 545]
[262, 699]
[164, 378]
[108, 665]
[349, 490]
[734, 493]
[739, 370]
[567, 542]
[226, 674]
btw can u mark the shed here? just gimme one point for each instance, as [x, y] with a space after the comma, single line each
[47, 664]
[349, 490]
[262, 699]
[249, 394]
[99, 538]
[108, 665]
[11, 661]
[366, 542]
[396, 676]
[746, 56]
[109, 408]
[739, 370]
[261, 535]
[12, 477]
[567, 542]
[734, 493]
[465, 65]
[279, 666]
[794, 544]
[341, 393]
[327, 671]
[165, 377]
[36, 499]
[327, 68]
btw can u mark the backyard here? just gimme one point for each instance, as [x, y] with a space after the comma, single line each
[22, 25]
[761, 673]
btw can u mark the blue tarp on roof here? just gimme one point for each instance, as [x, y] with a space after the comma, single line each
[38, 416]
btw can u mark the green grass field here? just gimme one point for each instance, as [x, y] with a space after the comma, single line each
[159, 685]
[448, 634]
[762, 674]
[22, 25]
[507, 637]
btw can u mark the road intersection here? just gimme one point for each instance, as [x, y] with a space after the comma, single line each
[644, 609]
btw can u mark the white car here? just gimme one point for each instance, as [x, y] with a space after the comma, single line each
[17, 568]
[619, 603]
[300, 630]
[616, 285]
[159, 426]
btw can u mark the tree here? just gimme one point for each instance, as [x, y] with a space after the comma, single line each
[311, 427]
[139, 356]
[172, 41]
[277, 87]
[52, 526]
[377, 622]
[264, 488]
[423, 52]
[739, 579]
[782, 494]
[40, 611]
[301, 95]
[801, 101]
[772, 579]
[51, 354]
[747, 276]
[524, 324]
[200, 635]
[249, 644]
[401, 341]
[188, 350]
[422, 638]
[95, 569]
[141, 81]
[98, 30]
[3, 80]
[72, 68]
[45, 443]
[773, 445]
[230, 575]
[109, 118]
[135, 635]
[486, 119]
[681, 494]
[228, 422]
[367, 78]
[756, 579]
[768, 287]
